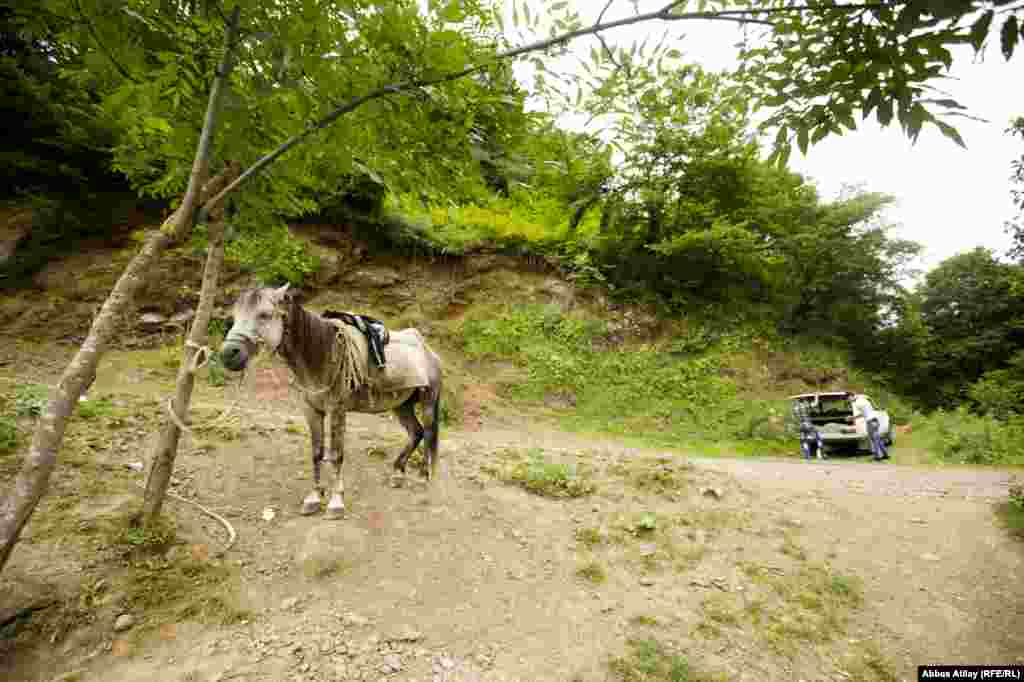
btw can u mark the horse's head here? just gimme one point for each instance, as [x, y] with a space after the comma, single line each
[258, 319]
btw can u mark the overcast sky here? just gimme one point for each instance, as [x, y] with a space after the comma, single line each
[949, 199]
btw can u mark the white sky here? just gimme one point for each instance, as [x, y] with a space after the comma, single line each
[949, 199]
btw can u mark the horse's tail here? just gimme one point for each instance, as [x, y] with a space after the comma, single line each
[435, 423]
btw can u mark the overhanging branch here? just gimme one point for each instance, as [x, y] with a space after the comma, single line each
[665, 13]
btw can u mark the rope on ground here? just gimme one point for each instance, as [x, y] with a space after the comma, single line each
[232, 535]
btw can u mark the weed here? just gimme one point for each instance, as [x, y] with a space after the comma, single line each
[93, 409]
[866, 663]
[30, 399]
[791, 549]
[1011, 512]
[215, 372]
[183, 589]
[661, 478]
[643, 620]
[720, 609]
[8, 435]
[814, 605]
[593, 572]
[591, 537]
[647, 523]
[649, 662]
[548, 479]
[319, 568]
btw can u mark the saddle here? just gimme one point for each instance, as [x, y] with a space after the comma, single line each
[376, 333]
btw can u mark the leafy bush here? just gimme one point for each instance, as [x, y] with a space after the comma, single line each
[272, 254]
[965, 438]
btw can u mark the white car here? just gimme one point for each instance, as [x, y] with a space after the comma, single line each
[832, 413]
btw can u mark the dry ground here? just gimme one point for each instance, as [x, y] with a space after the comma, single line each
[840, 570]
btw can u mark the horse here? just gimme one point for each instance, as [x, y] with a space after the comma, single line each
[329, 362]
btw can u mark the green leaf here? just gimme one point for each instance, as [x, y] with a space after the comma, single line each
[979, 30]
[885, 112]
[802, 139]
[1008, 36]
[526, 13]
[950, 132]
[873, 100]
[819, 134]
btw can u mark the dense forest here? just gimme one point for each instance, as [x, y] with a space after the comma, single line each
[678, 200]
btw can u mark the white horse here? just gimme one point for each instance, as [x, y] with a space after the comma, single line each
[330, 362]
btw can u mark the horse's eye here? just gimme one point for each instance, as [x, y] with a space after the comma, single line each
[265, 316]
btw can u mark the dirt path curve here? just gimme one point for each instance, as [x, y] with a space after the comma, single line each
[476, 581]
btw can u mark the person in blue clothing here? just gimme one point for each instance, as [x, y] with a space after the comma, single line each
[811, 445]
[862, 409]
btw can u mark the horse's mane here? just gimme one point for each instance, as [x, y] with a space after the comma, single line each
[308, 340]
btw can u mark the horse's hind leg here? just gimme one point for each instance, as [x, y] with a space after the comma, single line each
[336, 507]
[406, 413]
[432, 416]
[315, 419]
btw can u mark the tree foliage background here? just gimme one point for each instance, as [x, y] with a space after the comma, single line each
[678, 194]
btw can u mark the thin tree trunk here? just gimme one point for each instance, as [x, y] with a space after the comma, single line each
[167, 446]
[16, 508]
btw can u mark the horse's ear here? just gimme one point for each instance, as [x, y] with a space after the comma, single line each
[282, 293]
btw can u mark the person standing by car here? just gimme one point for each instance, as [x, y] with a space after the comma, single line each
[862, 409]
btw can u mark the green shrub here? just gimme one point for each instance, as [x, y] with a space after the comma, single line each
[964, 438]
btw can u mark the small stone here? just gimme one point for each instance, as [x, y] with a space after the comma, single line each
[447, 663]
[917, 520]
[356, 620]
[648, 550]
[124, 622]
[712, 492]
[930, 557]
[392, 663]
[289, 604]
[646, 582]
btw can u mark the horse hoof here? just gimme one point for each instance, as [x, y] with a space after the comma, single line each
[311, 505]
[335, 513]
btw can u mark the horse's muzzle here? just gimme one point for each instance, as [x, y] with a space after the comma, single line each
[234, 356]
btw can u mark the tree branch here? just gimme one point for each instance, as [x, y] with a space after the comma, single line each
[665, 13]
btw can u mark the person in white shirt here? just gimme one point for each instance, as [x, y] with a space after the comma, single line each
[862, 409]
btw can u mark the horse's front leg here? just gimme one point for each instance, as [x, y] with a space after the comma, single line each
[315, 419]
[336, 507]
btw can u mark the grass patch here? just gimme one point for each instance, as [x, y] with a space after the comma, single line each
[643, 621]
[866, 663]
[792, 549]
[589, 537]
[547, 479]
[318, 568]
[9, 437]
[812, 606]
[183, 589]
[593, 572]
[95, 409]
[30, 399]
[1011, 512]
[648, 661]
[721, 610]
[660, 477]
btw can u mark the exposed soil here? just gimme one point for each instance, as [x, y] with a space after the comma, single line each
[473, 579]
